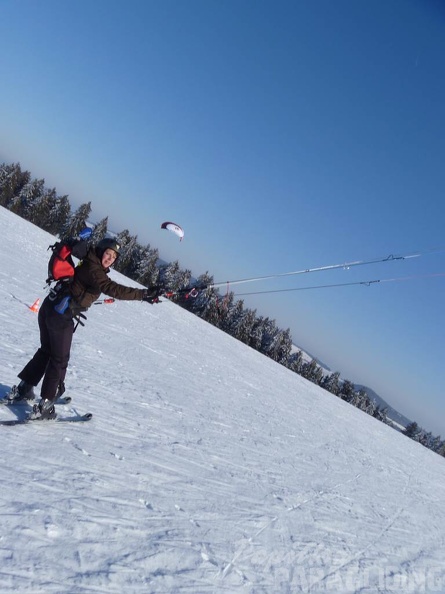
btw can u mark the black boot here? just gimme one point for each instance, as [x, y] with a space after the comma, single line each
[23, 391]
[45, 410]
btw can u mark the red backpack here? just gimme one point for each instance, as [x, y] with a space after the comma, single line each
[61, 264]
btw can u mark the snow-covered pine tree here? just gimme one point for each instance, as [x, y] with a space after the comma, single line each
[128, 243]
[331, 382]
[256, 334]
[42, 208]
[412, 430]
[295, 361]
[312, 371]
[245, 325]
[347, 390]
[77, 221]
[59, 215]
[174, 278]
[99, 231]
[12, 180]
[147, 272]
[234, 317]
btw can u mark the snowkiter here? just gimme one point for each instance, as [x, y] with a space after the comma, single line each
[65, 304]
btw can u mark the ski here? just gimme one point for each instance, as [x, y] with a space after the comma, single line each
[26, 420]
[12, 401]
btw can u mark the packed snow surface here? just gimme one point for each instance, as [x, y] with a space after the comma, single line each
[206, 468]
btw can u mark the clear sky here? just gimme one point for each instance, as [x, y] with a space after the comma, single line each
[282, 135]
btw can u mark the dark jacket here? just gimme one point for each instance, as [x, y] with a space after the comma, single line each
[91, 279]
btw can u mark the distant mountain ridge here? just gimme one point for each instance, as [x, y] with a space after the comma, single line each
[392, 413]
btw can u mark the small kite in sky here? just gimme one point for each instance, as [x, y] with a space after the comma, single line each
[174, 228]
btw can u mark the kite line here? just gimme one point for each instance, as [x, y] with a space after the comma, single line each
[364, 283]
[344, 265]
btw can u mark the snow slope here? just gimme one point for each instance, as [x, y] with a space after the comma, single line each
[206, 468]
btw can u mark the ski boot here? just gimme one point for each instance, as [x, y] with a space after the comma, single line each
[23, 391]
[44, 410]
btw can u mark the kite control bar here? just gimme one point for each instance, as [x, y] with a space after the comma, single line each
[186, 293]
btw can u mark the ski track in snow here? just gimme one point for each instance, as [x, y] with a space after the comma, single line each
[206, 468]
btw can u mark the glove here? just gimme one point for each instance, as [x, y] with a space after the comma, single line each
[151, 295]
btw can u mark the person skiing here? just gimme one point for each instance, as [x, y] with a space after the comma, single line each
[64, 304]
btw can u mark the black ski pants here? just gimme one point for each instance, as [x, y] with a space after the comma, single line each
[51, 359]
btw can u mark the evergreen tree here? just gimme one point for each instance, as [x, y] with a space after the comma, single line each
[381, 414]
[312, 371]
[436, 443]
[347, 390]
[412, 430]
[128, 244]
[281, 346]
[147, 272]
[295, 362]
[142, 263]
[133, 254]
[43, 207]
[173, 278]
[12, 180]
[99, 231]
[198, 304]
[234, 318]
[361, 400]
[331, 383]
[269, 333]
[77, 221]
[59, 215]
[256, 335]
[441, 449]
[245, 325]
[28, 198]
[209, 306]
[426, 439]
[226, 309]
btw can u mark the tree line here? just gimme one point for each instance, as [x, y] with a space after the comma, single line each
[30, 199]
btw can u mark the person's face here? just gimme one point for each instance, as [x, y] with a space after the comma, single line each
[108, 258]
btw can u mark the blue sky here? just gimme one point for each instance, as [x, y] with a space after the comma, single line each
[281, 135]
